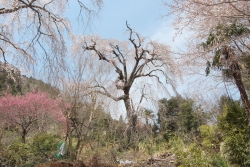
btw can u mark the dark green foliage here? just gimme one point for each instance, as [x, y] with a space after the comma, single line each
[169, 107]
[188, 116]
[237, 147]
[233, 124]
[208, 68]
[13, 82]
[194, 155]
[246, 77]
[168, 113]
[30, 84]
[44, 145]
[149, 115]
[18, 153]
[168, 135]
[216, 59]
[179, 115]
[223, 34]
[219, 161]
[233, 118]
[210, 139]
[218, 62]
[228, 56]
[40, 149]
[11, 85]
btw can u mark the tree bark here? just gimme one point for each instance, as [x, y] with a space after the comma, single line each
[128, 107]
[132, 121]
[24, 133]
[240, 85]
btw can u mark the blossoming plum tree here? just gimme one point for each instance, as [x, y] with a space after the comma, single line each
[29, 111]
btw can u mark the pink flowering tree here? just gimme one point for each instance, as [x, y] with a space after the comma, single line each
[29, 111]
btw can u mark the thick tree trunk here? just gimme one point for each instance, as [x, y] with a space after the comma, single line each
[24, 133]
[128, 107]
[132, 121]
[239, 83]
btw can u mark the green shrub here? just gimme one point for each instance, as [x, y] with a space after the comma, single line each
[18, 153]
[233, 124]
[219, 161]
[194, 155]
[44, 147]
[209, 137]
[237, 147]
[168, 135]
[39, 149]
[44, 143]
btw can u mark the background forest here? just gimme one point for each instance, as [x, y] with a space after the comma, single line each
[70, 98]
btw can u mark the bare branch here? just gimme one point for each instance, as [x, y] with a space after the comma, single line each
[3, 55]
[106, 93]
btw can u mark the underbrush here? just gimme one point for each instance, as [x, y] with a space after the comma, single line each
[195, 155]
[39, 149]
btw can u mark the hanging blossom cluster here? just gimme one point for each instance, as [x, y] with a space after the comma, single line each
[33, 31]
[26, 25]
[202, 16]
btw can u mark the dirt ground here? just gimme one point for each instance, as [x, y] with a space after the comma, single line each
[157, 160]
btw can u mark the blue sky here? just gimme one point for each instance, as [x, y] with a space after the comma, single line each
[144, 16]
